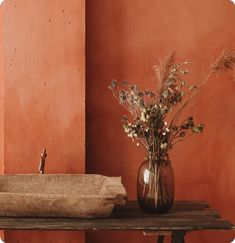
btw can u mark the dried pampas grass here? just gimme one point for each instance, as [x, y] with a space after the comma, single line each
[225, 61]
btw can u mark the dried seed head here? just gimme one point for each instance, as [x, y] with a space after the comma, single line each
[225, 61]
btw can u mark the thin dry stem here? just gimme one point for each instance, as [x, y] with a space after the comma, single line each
[224, 62]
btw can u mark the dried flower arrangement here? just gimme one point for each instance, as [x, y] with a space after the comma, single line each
[156, 123]
[156, 114]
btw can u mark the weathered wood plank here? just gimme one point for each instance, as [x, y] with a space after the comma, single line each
[130, 217]
[178, 205]
[113, 224]
[170, 214]
[179, 210]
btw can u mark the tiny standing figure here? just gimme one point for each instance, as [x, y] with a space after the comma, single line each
[42, 161]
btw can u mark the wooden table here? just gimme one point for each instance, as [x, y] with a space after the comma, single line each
[185, 216]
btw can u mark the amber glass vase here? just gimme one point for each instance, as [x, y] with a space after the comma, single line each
[155, 186]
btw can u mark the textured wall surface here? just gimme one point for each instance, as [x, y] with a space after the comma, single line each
[42, 96]
[124, 40]
[1, 102]
[1, 94]
[44, 93]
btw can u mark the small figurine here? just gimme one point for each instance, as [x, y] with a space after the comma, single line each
[42, 161]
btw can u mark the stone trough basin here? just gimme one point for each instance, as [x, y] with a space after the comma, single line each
[62, 195]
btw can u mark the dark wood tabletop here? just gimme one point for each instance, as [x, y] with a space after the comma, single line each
[184, 216]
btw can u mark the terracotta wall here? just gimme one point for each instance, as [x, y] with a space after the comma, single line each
[1, 94]
[124, 40]
[44, 93]
[1, 104]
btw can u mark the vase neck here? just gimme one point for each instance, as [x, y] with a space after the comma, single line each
[160, 162]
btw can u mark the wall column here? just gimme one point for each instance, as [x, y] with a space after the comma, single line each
[44, 94]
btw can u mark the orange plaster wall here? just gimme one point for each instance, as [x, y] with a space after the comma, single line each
[1, 104]
[44, 94]
[124, 40]
[1, 95]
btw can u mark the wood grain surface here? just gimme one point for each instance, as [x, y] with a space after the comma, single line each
[184, 216]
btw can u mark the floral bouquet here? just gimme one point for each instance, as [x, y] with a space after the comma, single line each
[156, 123]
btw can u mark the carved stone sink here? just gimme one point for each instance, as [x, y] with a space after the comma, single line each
[66, 195]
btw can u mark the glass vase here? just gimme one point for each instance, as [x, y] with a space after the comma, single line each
[155, 186]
